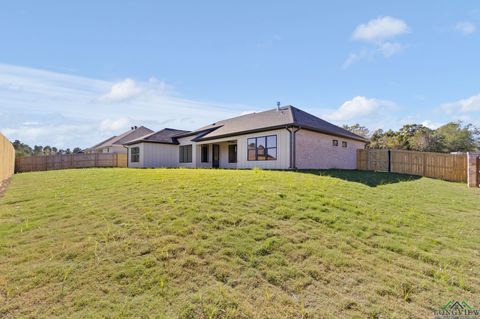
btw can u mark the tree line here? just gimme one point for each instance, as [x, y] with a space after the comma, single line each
[451, 137]
[22, 149]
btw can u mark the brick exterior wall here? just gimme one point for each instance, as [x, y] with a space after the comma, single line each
[315, 150]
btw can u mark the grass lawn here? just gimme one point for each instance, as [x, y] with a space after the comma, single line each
[236, 244]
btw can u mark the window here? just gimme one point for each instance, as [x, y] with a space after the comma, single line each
[344, 144]
[335, 142]
[204, 153]
[135, 154]
[186, 154]
[262, 148]
[232, 153]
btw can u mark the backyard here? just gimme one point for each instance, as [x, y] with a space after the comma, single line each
[179, 243]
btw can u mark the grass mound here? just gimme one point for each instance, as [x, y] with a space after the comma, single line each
[235, 244]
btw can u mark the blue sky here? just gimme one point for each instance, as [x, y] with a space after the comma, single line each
[73, 73]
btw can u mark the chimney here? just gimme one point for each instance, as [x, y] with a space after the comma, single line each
[278, 106]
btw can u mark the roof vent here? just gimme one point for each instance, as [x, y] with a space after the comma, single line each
[278, 106]
[131, 128]
[136, 127]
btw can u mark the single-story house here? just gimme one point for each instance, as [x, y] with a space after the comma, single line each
[115, 144]
[282, 138]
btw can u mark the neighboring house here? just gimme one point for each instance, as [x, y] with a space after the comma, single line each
[115, 144]
[282, 138]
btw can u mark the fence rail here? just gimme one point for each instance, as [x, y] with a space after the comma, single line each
[7, 158]
[53, 162]
[449, 167]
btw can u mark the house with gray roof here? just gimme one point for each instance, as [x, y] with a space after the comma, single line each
[115, 144]
[281, 138]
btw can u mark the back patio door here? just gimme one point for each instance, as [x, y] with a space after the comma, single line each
[215, 156]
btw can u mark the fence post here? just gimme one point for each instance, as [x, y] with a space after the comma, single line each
[424, 164]
[95, 160]
[473, 170]
[389, 161]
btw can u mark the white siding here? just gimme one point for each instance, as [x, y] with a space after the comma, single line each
[160, 155]
[283, 150]
[136, 164]
[199, 156]
[187, 141]
[113, 149]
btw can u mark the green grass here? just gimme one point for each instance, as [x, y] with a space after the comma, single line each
[235, 244]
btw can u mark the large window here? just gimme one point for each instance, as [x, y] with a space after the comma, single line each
[262, 148]
[135, 154]
[232, 153]
[204, 153]
[186, 154]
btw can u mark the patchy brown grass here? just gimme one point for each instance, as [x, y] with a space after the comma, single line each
[180, 243]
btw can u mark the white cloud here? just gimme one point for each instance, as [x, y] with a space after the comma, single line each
[359, 107]
[380, 29]
[431, 125]
[471, 104]
[67, 110]
[356, 56]
[114, 125]
[465, 27]
[390, 48]
[376, 33]
[122, 91]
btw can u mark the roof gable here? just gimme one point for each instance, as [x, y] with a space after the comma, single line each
[271, 119]
[124, 137]
[165, 136]
[309, 121]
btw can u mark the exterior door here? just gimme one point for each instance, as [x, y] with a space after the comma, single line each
[215, 156]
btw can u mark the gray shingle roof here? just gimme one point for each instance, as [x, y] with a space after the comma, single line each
[124, 137]
[271, 119]
[165, 136]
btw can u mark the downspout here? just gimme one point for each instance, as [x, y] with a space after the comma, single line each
[292, 146]
[290, 164]
[294, 153]
[128, 158]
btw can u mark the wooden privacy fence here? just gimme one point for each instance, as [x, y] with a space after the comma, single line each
[449, 167]
[7, 158]
[52, 162]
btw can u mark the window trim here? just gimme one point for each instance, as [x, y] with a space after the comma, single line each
[184, 152]
[204, 148]
[266, 148]
[234, 160]
[137, 154]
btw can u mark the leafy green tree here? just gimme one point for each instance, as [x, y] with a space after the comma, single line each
[385, 140]
[357, 129]
[22, 149]
[456, 137]
[37, 150]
